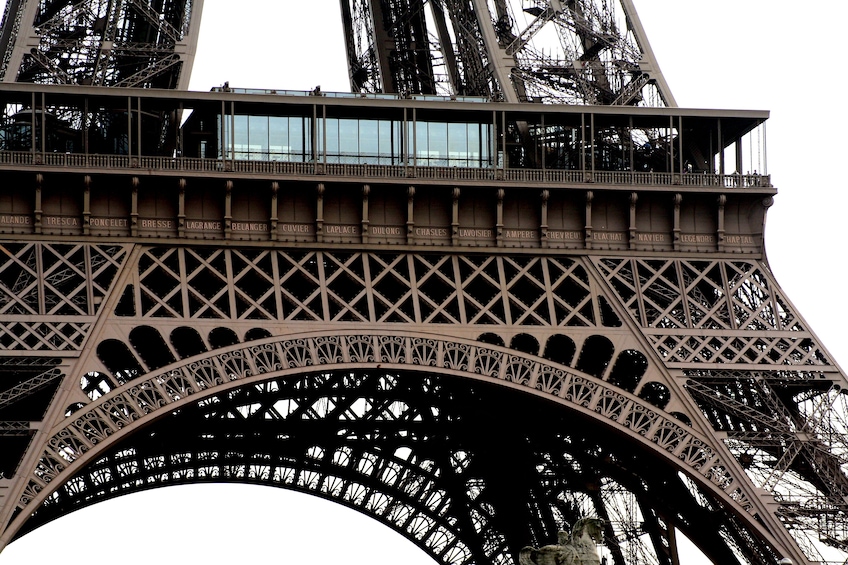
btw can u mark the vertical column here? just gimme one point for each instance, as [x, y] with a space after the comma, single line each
[181, 213]
[134, 207]
[86, 205]
[678, 199]
[228, 210]
[543, 228]
[499, 221]
[274, 219]
[37, 212]
[587, 230]
[366, 220]
[410, 215]
[455, 217]
[722, 200]
[319, 213]
[633, 198]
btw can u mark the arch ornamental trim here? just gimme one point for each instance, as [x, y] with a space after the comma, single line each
[84, 434]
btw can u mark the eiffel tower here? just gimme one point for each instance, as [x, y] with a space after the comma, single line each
[496, 288]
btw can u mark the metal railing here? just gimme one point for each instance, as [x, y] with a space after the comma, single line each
[370, 171]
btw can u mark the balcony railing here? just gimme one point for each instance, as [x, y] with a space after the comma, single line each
[369, 171]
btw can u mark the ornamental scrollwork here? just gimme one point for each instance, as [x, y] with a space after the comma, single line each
[120, 411]
[176, 384]
[580, 391]
[122, 407]
[236, 365]
[697, 454]
[640, 419]
[328, 349]
[49, 467]
[94, 427]
[393, 349]
[550, 380]
[266, 358]
[360, 348]
[487, 362]
[298, 353]
[147, 397]
[519, 370]
[612, 405]
[456, 356]
[424, 352]
[206, 374]
[68, 445]
[669, 435]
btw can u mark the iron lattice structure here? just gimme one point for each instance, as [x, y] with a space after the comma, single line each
[573, 52]
[566, 52]
[208, 368]
[573, 317]
[131, 43]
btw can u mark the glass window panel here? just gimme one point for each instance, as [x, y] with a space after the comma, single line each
[331, 131]
[422, 145]
[348, 141]
[369, 140]
[279, 147]
[438, 143]
[258, 137]
[299, 138]
[241, 138]
[386, 149]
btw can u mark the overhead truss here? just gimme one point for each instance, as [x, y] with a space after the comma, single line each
[559, 51]
[138, 43]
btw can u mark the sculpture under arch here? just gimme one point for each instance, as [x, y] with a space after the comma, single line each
[578, 547]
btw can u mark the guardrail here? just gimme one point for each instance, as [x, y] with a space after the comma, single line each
[369, 171]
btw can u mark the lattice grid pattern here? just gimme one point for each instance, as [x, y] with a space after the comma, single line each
[367, 287]
[740, 315]
[50, 293]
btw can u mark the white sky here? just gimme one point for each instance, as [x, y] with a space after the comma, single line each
[740, 54]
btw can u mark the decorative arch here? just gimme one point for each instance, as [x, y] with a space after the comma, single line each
[90, 434]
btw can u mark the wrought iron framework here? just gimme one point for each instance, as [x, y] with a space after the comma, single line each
[140, 43]
[432, 434]
[474, 392]
[570, 51]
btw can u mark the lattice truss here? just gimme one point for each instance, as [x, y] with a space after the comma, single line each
[466, 486]
[785, 414]
[740, 315]
[561, 51]
[131, 43]
[366, 287]
[51, 292]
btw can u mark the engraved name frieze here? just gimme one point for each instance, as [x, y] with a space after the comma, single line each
[651, 237]
[739, 239]
[61, 221]
[431, 232]
[565, 235]
[16, 220]
[608, 236]
[157, 224]
[249, 226]
[697, 238]
[295, 228]
[341, 230]
[519, 234]
[203, 225]
[385, 230]
[472, 232]
[108, 222]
